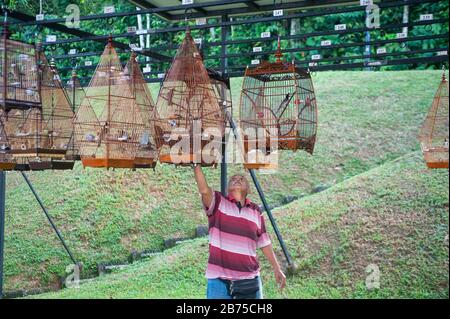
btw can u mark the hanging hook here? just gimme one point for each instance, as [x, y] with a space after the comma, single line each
[187, 16]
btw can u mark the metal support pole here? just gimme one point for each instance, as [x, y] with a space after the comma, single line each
[49, 218]
[224, 66]
[263, 199]
[2, 226]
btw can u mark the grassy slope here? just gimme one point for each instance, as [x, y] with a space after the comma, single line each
[394, 216]
[366, 119]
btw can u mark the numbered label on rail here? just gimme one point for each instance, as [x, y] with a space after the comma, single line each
[426, 17]
[50, 38]
[381, 51]
[265, 34]
[73, 51]
[161, 75]
[316, 57]
[366, 2]
[340, 27]
[39, 17]
[257, 49]
[402, 35]
[198, 40]
[312, 64]
[142, 31]
[325, 43]
[147, 69]
[186, 2]
[200, 21]
[442, 53]
[109, 9]
[278, 13]
[87, 63]
[255, 62]
[131, 29]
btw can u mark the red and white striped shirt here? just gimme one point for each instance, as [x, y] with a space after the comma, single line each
[234, 235]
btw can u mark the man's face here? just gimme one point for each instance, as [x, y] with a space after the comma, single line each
[238, 183]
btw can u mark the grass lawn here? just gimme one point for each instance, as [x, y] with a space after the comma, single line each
[394, 217]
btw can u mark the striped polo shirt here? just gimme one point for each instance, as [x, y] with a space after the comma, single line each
[234, 235]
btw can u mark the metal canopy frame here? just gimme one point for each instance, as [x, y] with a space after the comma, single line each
[232, 13]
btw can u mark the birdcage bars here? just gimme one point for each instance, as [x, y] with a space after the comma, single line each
[147, 152]
[191, 121]
[108, 123]
[278, 110]
[434, 134]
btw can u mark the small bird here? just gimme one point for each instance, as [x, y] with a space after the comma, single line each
[90, 137]
[173, 123]
[145, 139]
[123, 138]
[284, 104]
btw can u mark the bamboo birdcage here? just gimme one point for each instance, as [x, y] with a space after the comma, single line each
[278, 109]
[191, 120]
[147, 152]
[108, 123]
[434, 135]
[37, 113]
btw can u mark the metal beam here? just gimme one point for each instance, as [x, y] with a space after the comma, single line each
[147, 5]
[81, 34]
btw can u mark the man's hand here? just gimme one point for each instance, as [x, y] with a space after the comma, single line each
[280, 277]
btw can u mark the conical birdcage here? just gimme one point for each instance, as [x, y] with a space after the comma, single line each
[108, 123]
[37, 113]
[191, 120]
[277, 111]
[434, 133]
[147, 152]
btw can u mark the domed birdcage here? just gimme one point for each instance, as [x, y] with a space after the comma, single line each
[37, 113]
[108, 123]
[147, 152]
[434, 133]
[191, 120]
[278, 110]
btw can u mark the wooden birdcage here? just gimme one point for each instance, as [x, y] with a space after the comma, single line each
[278, 109]
[434, 133]
[37, 113]
[108, 123]
[147, 152]
[191, 120]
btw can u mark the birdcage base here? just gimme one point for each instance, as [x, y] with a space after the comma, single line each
[39, 152]
[144, 163]
[436, 157]
[183, 160]
[51, 165]
[107, 163]
[7, 166]
[260, 166]
[437, 164]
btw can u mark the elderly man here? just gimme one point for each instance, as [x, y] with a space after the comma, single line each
[236, 230]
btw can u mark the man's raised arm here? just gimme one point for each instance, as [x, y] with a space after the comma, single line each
[203, 188]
